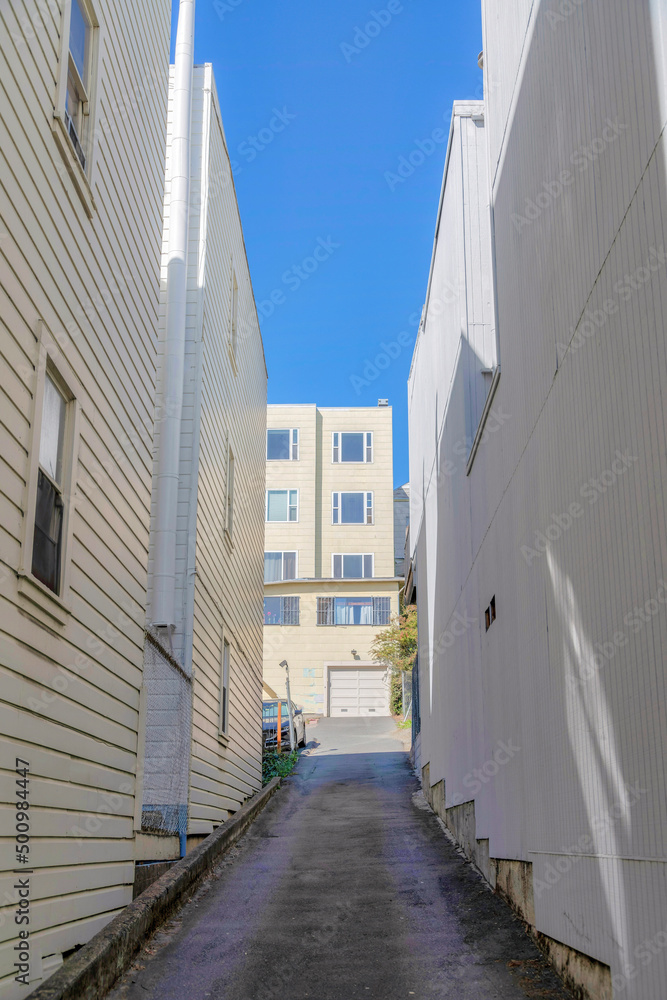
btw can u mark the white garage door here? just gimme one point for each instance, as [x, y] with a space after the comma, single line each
[358, 692]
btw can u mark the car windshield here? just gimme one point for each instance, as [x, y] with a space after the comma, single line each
[270, 710]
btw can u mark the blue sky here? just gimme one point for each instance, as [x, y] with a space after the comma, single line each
[317, 116]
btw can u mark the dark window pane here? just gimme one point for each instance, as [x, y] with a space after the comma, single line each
[289, 566]
[290, 610]
[352, 508]
[272, 566]
[78, 38]
[352, 567]
[352, 447]
[368, 566]
[277, 444]
[48, 534]
[381, 610]
[272, 606]
[325, 610]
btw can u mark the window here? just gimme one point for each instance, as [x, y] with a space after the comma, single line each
[279, 566]
[44, 572]
[281, 610]
[74, 112]
[348, 566]
[282, 505]
[270, 711]
[77, 95]
[282, 445]
[347, 446]
[353, 610]
[224, 689]
[352, 508]
[233, 332]
[49, 507]
[229, 517]
[381, 610]
[325, 610]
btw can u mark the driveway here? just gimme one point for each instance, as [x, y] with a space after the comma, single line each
[345, 887]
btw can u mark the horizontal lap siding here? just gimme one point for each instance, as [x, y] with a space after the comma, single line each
[229, 577]
[95, 286]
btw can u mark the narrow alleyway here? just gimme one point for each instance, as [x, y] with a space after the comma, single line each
[344, 888]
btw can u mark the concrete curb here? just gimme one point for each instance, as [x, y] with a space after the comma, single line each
[94, 969]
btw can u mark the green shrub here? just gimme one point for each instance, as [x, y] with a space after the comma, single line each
[277, 765]
[396, 693]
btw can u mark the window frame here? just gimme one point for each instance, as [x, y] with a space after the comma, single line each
[293, 444]
[337, 507]
[326, 607]
[225, 671]
[51, 607]
[363, 555]
[83, 177]
[337, 448]
[283, 598]
[283, 553]
[282, 489]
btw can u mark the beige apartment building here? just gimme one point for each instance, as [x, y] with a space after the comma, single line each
[329, 583]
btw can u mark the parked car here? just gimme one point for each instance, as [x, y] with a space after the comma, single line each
[270, 724]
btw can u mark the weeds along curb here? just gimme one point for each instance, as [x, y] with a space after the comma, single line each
[93, 970]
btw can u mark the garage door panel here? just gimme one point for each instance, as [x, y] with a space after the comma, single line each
[358, 692]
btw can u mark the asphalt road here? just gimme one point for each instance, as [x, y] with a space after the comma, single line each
[344, 888]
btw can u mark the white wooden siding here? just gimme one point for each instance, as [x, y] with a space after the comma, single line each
[219, 580]
[94, 284]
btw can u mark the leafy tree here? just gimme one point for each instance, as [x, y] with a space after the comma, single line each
[396, 646]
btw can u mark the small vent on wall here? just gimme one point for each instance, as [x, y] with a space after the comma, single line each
[490, 613]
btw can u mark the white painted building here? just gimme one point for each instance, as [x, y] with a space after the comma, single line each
[80, 227]
[538, 479]
[203, 665]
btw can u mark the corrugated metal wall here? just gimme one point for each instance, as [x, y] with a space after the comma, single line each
[562, 516]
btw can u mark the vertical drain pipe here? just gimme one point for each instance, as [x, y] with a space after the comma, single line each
[168, 456]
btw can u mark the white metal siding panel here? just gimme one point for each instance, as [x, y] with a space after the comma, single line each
[565, 412]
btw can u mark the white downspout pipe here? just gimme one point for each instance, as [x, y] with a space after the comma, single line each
[168, 457]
